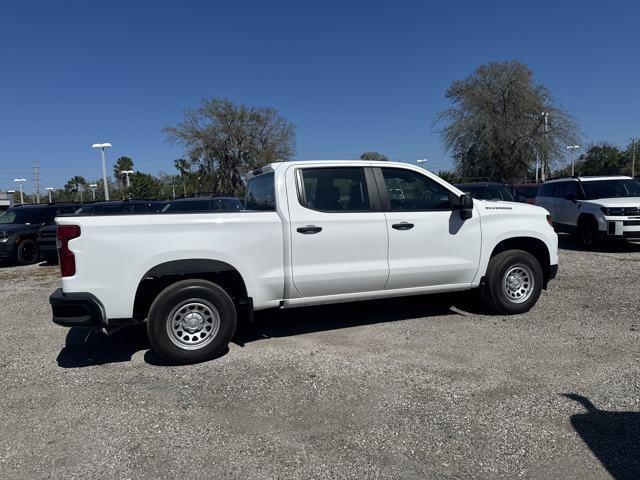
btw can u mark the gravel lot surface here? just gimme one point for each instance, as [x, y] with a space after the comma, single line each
[427, 387]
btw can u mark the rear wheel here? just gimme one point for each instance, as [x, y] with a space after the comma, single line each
[191, 321]
[513, 282]
[27, 252]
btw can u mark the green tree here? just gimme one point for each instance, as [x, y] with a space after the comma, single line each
[224, 141]
[184, 167]
[496, 125]
[74, 188]
[448, 176]
[122, 164]
[144, 186]
[600, 159]
[374, 156]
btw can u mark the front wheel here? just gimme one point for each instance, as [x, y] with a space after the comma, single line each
[513, 282]
[191, 321]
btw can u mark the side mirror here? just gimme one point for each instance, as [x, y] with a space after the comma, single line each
[465, 205]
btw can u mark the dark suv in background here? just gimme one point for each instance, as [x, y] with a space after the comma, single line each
[18, 227]
[204, 204]
[488, 190]
[46, 236]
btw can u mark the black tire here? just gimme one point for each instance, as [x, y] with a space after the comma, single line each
[27, 252]
[588, 234]
[502, 294]
[178, 341]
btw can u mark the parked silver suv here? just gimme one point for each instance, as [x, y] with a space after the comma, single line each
[594, 208]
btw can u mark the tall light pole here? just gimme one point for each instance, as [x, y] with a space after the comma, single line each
[20, 181]
[573, 148]
[49, 190]
[127, 173]
[102, 146]
[633, 158]
[93, 190]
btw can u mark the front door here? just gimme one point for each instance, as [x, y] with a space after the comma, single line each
[429, 244]
[338, 243]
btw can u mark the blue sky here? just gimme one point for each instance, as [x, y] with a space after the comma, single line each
[353, 76]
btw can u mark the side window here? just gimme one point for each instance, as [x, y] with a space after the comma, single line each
[140, 207]
[572, 189]
[335, 189]
[410, 190]
[546, 190]
[560, 189]
[261, 193]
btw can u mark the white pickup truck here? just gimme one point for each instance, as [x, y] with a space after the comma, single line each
[312, 232]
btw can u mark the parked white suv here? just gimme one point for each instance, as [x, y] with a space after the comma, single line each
[594, 208]
[311, 233]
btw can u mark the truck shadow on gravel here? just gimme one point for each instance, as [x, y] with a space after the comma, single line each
[299, 321]
[613, 437]
[85, 347]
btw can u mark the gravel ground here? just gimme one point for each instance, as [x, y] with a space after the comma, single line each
[426, 387]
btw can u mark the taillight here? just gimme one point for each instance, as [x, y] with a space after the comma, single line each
[67, 260]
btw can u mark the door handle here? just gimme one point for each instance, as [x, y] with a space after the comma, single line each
[309, 230]
[402, 226]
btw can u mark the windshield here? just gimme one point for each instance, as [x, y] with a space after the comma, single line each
[21, 215]
[490, 192]
[610, 189]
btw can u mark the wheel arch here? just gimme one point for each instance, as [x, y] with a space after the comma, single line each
[164, 274]
[532, 245]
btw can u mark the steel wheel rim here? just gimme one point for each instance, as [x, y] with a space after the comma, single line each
[518, 283]
[193, 324]
[29, 252]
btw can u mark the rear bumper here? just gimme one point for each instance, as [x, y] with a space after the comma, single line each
[77, 309]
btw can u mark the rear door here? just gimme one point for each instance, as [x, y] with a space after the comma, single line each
[429, 244]
[338, 233]
[567, 206]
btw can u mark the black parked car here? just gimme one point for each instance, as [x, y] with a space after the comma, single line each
[204, 204]
[46, 236]
[18, 227]
[488, 191]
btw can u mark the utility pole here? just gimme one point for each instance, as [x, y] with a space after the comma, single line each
[36, 175]
[49, 190]
[102, 146]
[128, 184]
[573, 148]
[633, 158]
[20, 181]
[545, 117]
[79, 191]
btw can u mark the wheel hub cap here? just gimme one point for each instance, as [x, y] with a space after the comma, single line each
[193, 324]
[518, 283]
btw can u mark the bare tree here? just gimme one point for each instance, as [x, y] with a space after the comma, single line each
[225, 141]
[501, 120]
